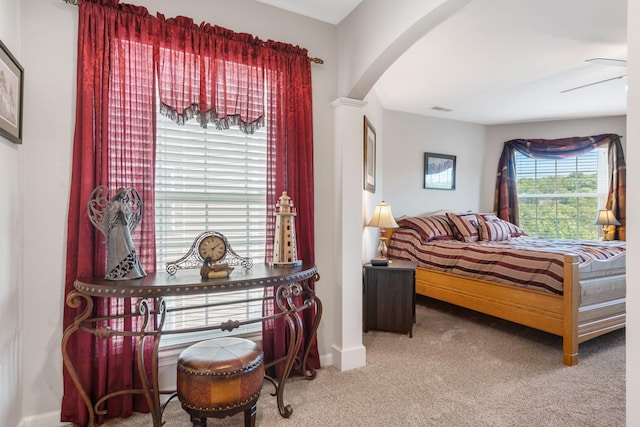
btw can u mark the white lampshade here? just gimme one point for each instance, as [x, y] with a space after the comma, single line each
[605, 217]
[382, 217]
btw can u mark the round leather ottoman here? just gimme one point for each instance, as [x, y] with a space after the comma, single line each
[219, 378]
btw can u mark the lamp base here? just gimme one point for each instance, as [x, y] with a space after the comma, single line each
[379, 261]
[382, 245]
[607, 233]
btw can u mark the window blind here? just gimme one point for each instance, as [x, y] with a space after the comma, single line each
[209, 180]
[561, 198]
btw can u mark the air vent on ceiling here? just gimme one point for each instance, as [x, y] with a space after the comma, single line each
[446, 110]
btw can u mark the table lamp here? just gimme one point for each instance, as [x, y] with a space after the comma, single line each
[383, 219]
[605, 218]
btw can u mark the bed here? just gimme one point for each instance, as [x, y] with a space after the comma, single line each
[575, 293]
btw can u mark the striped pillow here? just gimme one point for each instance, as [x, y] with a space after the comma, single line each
[465, 226]
[514, 230]
[494, 231]
[435, 227]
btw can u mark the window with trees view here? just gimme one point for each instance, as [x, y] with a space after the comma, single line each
[560, 198]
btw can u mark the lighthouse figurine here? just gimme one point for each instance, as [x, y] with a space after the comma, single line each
[285, 253]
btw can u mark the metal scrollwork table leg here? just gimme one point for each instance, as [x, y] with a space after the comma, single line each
[150, 391]
[285, 298]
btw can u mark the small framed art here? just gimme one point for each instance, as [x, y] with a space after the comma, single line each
[369, 156]
[11, 85]
[439, 171]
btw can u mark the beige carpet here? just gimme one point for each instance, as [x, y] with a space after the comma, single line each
[461, 368]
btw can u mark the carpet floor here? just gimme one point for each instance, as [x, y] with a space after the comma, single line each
[461, 368]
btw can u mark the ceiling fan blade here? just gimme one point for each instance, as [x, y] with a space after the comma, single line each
[608, 61]
[594, 83]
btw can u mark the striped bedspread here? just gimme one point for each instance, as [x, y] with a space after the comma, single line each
[533, 263]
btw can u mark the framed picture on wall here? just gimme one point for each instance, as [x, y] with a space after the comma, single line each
[11, 84]
[369, 156]
[439, 171]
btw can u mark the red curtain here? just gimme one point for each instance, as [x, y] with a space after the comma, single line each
[205, 72]
[617, 197]
[290, 169]
[114, 145]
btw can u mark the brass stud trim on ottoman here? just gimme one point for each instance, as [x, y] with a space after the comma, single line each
[219, 378]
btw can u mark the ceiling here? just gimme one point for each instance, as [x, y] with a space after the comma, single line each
[331, 11]
[506, 61]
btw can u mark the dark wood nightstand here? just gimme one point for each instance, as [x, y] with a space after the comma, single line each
[389, 297]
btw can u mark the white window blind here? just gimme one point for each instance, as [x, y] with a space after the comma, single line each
[209, 180]
[561, 198]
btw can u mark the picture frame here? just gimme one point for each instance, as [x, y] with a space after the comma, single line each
[369, 176]
[11, 95]
[439, 171]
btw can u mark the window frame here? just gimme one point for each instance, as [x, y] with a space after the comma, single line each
[583, 222]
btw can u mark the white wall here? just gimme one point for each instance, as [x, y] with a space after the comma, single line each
[498, 134]
[374, 35]
[408, 137]
[10, 246]
[49, 64]
[633, 207]
[477, 148]
[370, 39]
[375, 114]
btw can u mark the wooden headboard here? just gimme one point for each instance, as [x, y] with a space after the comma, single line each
[388, 232]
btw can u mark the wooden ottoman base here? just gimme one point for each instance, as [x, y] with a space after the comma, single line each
[219, 378]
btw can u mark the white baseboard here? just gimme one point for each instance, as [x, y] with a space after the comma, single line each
[50, 419]
[345, 359]
[326, 360]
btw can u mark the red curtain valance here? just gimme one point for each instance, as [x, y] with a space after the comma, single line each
[210, 73]
[561, 148]
[204, 71]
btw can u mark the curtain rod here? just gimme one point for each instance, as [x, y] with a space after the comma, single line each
[312, 59]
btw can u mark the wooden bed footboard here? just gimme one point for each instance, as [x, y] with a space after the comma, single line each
[558, 315]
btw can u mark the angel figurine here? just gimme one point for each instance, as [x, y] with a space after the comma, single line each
[116, 219]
